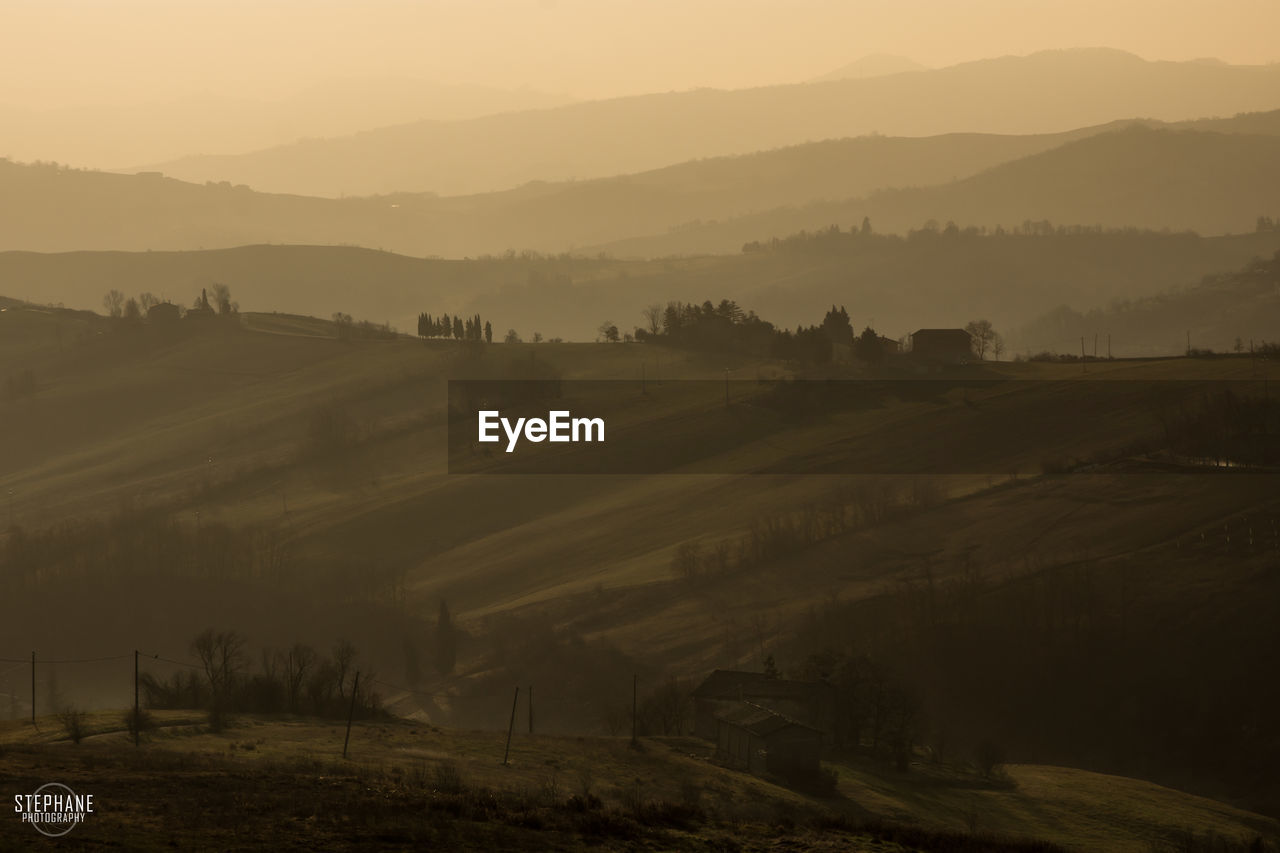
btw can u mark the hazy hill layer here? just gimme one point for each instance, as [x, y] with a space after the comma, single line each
[875, 65]
[121, 136]
[1212, 183]
[1216, 179]
[46, 209]
[1221, 313]
[898, 285]
[1042, 93]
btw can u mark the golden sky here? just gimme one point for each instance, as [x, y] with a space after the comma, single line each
[56, 53]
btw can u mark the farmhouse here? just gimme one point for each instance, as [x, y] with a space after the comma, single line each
[760, 740]
[163, 312]
[810, 702]
[954, 346]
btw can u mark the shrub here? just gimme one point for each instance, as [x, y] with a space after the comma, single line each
[73, 724]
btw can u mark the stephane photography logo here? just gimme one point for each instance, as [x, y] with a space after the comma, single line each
[53, 809]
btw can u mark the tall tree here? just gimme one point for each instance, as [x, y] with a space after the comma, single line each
[983, 335]
[113, 302]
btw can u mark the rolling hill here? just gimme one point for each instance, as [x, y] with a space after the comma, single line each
[1220, 313]
[1042, 93]
[1211, 183]
[411, 778]
[1209, 175]
[199, 472]
[898, 285]
[123, 135]
[874, 65]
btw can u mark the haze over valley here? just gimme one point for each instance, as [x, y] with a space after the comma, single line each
[932, 348]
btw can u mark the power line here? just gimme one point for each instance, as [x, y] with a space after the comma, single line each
[66, 660]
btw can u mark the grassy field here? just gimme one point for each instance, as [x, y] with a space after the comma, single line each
[283, 782]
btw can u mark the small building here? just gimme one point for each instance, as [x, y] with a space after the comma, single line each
[760, 740]
[810, 702]
[952, 346]
[163, 312]
[890, 346]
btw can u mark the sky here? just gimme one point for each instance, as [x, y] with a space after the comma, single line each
[72, 53]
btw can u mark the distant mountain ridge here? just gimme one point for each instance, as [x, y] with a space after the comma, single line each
[123, 135]
[705, 206]
[1046, 92]
[875, 65]
[1211, 183]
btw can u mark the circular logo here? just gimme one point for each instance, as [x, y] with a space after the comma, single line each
[54, 809]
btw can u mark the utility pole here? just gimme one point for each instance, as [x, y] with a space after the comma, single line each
[530, 709]
[137, 717]
[355, 687]
[642, 379]
[726, 387]
[1095, 346]
[511, 727]
[1188, 342]
[635, 680]
[1084, 363]
[1108, 346]
[33, 688]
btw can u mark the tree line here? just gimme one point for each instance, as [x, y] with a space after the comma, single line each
[457, 327]
[726, 327]
[296, 680]
[120, 307]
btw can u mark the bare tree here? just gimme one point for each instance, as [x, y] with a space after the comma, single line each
[297, 663]
[113, 302]
[344, 655]
[221, 656]
[653, 318]
[148, 299]
[983, 335]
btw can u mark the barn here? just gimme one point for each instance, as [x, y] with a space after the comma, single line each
[163, 312]
[757, 739]
[952, 346]
[810, 702]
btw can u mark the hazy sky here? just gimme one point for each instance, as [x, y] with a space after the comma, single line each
[76, 52]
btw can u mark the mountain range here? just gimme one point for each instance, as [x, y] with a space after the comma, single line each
[1046, 92]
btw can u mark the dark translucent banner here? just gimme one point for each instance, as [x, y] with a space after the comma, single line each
[906, 426]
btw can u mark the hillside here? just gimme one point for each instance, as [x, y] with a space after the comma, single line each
[1208, 182]
[601, 138]
[420, 784]
[874, 65]
[50, 209]
[1225, 313]
[122, 136]
[268, 477]
[898, 285]
[711, 205]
